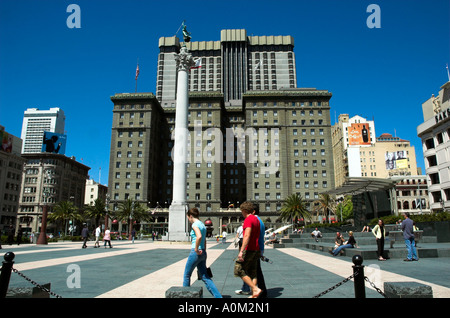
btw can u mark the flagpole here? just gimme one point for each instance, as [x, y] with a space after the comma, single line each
[448, 74]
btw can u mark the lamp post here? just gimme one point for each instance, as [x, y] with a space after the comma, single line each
[107, 210]
[42, 240]
[130, 235]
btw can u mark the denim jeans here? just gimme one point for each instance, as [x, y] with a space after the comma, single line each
[199, 262]
[411, 247]
[339, 248]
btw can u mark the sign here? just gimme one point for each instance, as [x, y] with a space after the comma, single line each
[359, 134]
[54, 143]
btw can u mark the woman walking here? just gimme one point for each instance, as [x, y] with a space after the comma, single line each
[380, 233]
[197, 256]
[107, 238]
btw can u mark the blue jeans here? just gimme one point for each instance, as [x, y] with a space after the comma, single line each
[411, 247]
[199, 262]
[339, 248]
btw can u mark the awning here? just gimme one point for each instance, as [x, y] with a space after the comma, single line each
[357, 185]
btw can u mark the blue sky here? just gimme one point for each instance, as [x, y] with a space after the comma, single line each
[383, 73]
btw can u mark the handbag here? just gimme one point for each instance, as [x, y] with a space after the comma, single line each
[208, 272]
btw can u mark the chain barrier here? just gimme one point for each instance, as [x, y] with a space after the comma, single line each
[346, 280]
[375, 287]
[35, 284]
[335, 286]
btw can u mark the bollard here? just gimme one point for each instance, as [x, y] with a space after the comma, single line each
[6, 273]
[358, 271]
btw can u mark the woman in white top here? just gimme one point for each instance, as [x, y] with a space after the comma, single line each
[380, 233]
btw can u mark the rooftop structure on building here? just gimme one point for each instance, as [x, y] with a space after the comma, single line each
[233, 65]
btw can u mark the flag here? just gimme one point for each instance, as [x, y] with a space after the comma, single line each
[198, 63]
[258, 65]
[137, 72]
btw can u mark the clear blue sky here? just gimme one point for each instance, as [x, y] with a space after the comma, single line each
[383, 74]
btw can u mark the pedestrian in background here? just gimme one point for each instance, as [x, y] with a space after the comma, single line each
[19, 235]
[380, 233]
[107, 238]
[98, 230]
[408, 235]
[85, 235]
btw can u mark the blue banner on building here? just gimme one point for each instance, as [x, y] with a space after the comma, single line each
[54, 143]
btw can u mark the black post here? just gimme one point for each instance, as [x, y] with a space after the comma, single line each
[6, 273]
[358, 271]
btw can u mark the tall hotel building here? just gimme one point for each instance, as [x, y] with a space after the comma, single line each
[35, 122]
[254, 134]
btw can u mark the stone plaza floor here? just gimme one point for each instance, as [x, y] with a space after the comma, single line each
[146, 269]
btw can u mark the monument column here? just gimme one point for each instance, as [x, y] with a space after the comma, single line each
[178, 207]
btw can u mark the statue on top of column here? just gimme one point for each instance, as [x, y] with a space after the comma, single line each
[186, 35]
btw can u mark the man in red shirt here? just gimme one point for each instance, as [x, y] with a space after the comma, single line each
[247, 261]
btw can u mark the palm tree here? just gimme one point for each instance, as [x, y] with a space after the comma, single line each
[324, 205]
[294, 208]
[96, 211]
[132, 210]
[64, 211]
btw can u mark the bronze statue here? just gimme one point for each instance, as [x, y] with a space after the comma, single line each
[186, 34]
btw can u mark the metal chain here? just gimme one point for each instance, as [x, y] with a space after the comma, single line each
[35, 284]
[335, 286]
[375, 287]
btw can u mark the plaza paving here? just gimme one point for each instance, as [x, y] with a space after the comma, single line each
[146, 269]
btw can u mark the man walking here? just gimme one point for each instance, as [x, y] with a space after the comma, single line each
[98, 230]
[408, 235]
[259, 275]
[246, 266]
[85, 235]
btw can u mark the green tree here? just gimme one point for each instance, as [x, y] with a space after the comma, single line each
[325, 205]
[96, 211]
[346, 207]
[294, 208]
[64, 211]
[131, 210]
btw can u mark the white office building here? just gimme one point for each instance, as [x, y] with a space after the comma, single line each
[435, 135]
[35, 122]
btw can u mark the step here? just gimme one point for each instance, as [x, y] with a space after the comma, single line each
[424, 250]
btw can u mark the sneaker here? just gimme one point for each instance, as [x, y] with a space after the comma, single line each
[240, 292]
[408, 260]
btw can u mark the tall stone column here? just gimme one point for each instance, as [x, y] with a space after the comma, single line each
[178, 207]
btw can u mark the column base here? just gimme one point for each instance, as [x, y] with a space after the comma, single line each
[177, 223]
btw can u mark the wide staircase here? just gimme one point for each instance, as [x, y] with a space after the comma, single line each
[394, 245]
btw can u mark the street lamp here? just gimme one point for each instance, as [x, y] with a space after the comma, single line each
[42, 240]
[107, 210]
[131, 222]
